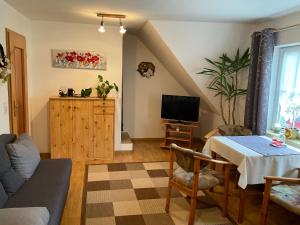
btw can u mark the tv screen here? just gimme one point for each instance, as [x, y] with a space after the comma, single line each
[182, 108]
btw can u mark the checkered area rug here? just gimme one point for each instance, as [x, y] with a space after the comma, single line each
[135, 194]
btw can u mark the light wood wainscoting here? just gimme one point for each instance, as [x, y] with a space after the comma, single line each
[82, 128]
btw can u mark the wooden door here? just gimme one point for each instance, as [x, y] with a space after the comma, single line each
[61, 128]
[81, 129]
[18, 94]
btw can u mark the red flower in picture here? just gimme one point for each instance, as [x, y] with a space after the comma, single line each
[95, 58]
[80, 58]
[73, 53]
[69, 58]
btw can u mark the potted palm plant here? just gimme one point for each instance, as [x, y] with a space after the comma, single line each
[225, 74]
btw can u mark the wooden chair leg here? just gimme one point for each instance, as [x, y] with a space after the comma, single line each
[193, 210]
[172, 156]
[168, 197]
[226, 190]
[265, 204]
[236, 181]
[241, 205]
[194, 192]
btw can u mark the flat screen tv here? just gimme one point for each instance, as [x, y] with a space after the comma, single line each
[180, 108]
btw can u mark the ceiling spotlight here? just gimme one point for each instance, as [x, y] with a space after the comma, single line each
[122, 29]
[101, 29]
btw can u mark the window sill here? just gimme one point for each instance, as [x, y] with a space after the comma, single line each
[292, 142]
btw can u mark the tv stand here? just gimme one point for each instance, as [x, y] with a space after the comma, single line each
[178, 132]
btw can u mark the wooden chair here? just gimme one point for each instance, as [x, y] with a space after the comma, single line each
[193, 174]
[286, 194]
[210, 134]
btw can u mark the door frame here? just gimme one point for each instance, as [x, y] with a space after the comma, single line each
[20, 41]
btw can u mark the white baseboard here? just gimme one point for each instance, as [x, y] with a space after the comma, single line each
[126, 147]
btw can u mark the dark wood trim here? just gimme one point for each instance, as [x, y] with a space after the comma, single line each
[146, 139]
[45, 155]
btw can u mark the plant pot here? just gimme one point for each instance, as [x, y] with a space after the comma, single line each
[104, 96]
[291, 133]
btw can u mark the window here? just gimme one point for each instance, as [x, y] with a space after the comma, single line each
[285, 100]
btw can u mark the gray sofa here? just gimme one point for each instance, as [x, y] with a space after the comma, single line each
[48, 187]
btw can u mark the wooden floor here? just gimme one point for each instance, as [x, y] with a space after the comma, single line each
[147, 151]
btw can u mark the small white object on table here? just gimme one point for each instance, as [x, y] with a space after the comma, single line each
[252, 166]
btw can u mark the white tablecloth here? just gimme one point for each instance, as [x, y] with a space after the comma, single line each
[252, 166]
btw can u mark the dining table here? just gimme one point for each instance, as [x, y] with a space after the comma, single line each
[255, 157]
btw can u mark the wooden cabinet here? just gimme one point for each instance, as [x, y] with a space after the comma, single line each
[82, 128]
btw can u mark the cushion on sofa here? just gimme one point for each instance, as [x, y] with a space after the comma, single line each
[24, 216]
[9, 178]
[48, 187]
[12, 181]
[24, 155]
[3, 196]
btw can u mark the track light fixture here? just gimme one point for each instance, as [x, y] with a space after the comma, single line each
[122, 29]
[101, 28]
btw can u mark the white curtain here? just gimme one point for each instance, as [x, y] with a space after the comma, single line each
[289, 85]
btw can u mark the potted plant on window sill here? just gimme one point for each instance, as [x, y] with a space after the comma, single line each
[294, 111]
[104, 87]
[4, 66]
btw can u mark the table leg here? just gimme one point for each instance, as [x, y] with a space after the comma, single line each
[242, 205]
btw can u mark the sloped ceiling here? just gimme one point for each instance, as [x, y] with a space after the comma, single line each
[150, 36]
[183, 46]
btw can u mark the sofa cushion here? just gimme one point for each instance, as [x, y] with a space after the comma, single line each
[9, 178]
[48, 187]
[4, 158]
[12, 181]
[24, 155]
[24, 216]
[3, 196]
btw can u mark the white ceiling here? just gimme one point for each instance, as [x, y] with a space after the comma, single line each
[139, 11]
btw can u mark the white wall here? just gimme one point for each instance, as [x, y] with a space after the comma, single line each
[142, 96]
[46, 80]
[188, 44]
[12, 19]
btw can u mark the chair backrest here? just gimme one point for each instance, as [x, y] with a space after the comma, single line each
[185, 157]
[234, 130]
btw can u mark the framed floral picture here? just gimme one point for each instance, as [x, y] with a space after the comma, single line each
[78, 59]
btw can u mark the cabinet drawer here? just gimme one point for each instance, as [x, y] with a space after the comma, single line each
[104, 110]
[104, 103]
